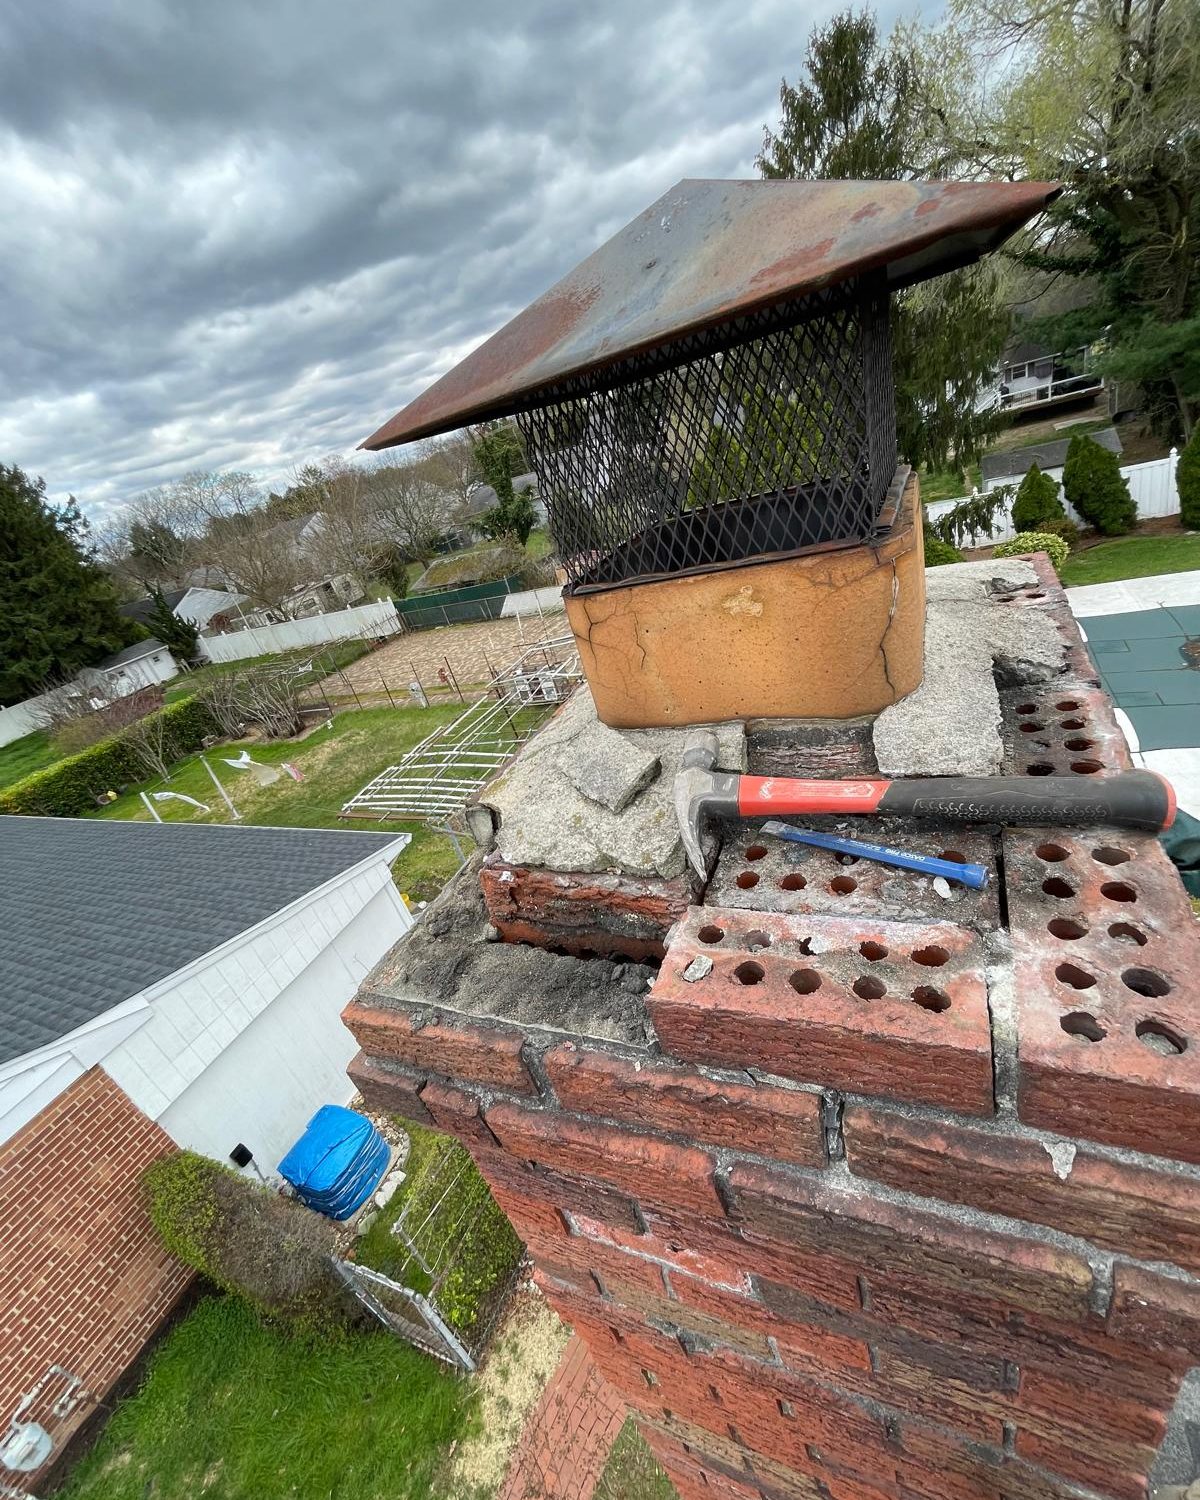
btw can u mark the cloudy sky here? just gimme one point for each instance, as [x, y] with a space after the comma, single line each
[241, 233]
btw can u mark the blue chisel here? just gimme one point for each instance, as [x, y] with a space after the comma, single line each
[975, 876]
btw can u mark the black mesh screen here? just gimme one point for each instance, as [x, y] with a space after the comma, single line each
[765, 435]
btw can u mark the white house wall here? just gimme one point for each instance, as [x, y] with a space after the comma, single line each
[245, 1044]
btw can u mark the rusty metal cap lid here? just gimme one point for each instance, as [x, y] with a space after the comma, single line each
[708, 251]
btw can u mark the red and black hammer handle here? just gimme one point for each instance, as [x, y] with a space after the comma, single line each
[1128, 799]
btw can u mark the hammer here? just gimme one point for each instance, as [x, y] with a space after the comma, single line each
[1128, 799]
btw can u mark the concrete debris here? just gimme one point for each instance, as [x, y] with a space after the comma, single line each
[544, 819]
[1062, 1158]
[942, 886]
[700, 968]
[951, 725]
[609, 769]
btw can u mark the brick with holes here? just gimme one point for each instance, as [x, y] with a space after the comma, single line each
[1107, 968]
[885, 1008]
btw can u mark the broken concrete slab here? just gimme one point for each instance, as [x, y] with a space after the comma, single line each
[544, 819]
[951, 725]
[608, 768]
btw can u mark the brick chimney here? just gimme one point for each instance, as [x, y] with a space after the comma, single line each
[869, 1190]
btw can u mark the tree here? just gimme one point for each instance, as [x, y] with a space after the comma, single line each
[58, 611]
[1037, 501]
[180, 636]
[1095, 486]
[1102, 97]
[512, 517]
[1187, 480]
[412, 511]
[257, 556]
[862, 110]
[500, 455]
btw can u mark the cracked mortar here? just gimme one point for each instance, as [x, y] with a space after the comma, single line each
[951, 725]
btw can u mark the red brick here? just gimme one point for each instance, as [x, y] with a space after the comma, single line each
[1103, 1466]
[84, 1279]
[830, 1034]
[1139, 1211]
[1155, 1311]
[672, 1435]
[614, 1266]
[1082, 1350]
[1119, 1089]
[1055, 1406]
[805, 1346]
[388, 1092]
[455, 1047]
[627, 1160]
[515, 1186]
[763, 1119]
[621, 916]
[829, 1278]
[876, 1233]
[675, 1254]
[456, 1112]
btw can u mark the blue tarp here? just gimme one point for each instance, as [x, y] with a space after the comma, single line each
[337, 1163]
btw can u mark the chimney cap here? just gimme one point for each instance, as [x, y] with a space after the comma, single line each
[705, 253]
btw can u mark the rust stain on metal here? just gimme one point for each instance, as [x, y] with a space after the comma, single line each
[706, 253]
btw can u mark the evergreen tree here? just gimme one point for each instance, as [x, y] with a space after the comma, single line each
[1095, 486]
[1037, 501]
[1187, 481]
[862, 111]
[181, 637]
[58, 610]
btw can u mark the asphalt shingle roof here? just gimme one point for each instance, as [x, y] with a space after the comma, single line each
[93, 912]
[1052, 455]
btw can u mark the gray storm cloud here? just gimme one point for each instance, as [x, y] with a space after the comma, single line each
[243, 235]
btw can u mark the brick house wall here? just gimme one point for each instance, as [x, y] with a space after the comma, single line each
[84, 1280]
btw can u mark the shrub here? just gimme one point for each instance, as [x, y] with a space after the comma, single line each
[1094, 485]
[1037, 501]
[1065, 529]
[246, 1239]
[75, 785]
[1187, 481]
[1035, 541]
[938, 552]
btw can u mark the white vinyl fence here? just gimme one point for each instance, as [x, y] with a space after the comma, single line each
[1152, 486]
[21, 719]
[363, 621]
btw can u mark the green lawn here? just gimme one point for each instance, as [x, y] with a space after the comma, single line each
[468, 1235]
[25, 756]
[335, 763]
[232, 1410]
[631, 1472]
[1133, 557]
[947, 484]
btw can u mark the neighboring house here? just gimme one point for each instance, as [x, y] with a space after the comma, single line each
[484, 497]
[1033, 378]
[203, 606]
[324, 595]
[1011, 466]
[142, 665]
[160, 985]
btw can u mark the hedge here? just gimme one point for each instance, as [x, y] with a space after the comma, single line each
[1095, 486]
[939, 552]
[1035, 541]
[75, 784]
[250, 1241]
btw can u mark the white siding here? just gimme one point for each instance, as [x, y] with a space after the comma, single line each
[245, 1044]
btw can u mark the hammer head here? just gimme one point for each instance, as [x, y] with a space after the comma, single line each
[699, 790]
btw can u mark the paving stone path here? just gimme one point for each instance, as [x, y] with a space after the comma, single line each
[565, 1445]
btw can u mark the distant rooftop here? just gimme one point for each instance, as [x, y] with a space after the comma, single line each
[94, 912]
[1018, 461]
[131, 653]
